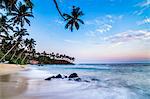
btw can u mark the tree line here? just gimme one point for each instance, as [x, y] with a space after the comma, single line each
[45, 58]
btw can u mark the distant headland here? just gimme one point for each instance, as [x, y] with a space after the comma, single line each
[51, 58]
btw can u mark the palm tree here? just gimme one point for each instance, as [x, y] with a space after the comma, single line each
[29, 4]
[73, 19]
[8, 4]
[19, 34]
[29, 44]
[20, 15]
[4, 26]
[53, 55]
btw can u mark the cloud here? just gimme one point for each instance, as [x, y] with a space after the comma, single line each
[72, 41]
[59, 22]
[144, 6]
[104, 28]
[101, 25]
[145, 3]
[145, 21]
[129, 36]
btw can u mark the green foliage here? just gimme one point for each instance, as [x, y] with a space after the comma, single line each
[14, 46]
[1, 54]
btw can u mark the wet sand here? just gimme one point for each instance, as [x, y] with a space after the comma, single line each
[10, 68]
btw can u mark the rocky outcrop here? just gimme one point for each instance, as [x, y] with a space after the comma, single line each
[71, 77]
[52, 77]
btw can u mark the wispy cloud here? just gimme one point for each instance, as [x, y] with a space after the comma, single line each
[129, 36]
[72, 41]
[104, 28]
[145, 21]
[144, 5]
[102, 25]
[59, 22]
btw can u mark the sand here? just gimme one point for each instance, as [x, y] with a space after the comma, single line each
[11, 68]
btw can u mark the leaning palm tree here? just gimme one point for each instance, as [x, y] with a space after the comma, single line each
[31, 49]
[73, 19]
[20, 15]
[19, 35]
[29, 44]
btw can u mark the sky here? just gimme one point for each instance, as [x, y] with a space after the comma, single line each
[114, 30]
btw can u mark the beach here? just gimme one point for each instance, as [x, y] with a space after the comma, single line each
[114, 81]
[10, 68]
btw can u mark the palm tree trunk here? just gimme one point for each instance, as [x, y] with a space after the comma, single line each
[21, 54]
[59, 10]
[8, 52]
[13, 55]
[24, 59]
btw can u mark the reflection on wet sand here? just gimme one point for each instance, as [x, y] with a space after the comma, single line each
[11, 86]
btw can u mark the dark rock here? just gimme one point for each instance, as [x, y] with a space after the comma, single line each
[53, 77]
[73, 75]
[58, 76]
[77, 79]
[86, 81]
[94, 79]
[49, 78]
[69, 79]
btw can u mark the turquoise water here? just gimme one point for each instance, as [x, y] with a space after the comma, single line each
[114, 81]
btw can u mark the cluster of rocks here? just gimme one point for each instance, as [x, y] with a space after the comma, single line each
[71, 77]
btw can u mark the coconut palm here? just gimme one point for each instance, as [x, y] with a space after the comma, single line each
[73, 19]
[20, 15]
[4, 26]
[29, 44]
[29, 4]
[8, 4]
[18, 34]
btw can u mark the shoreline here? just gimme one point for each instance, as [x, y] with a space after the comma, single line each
[11, 68]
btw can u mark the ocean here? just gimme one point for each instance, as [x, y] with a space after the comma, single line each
[106, 81]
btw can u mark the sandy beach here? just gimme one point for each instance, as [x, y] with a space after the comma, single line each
[10, 68]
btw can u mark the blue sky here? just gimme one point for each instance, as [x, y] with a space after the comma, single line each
[114, 30]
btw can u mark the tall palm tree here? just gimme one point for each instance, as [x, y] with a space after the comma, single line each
[9, 5]
[19, 34]
[29, 44]
[73, 19]
[20, 15]
[4, 26]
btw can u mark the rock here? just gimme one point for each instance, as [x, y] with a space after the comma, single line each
[86, 81]
[73, 75]
[53, 77]
[69, 79]
[58, 76]
[77, 79]
[49, 78]
[65, 77]
[94, 79]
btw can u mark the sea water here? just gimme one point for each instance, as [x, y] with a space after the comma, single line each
[112, 81]
[106, 81]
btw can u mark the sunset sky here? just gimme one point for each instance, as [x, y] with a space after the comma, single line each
[114, 30]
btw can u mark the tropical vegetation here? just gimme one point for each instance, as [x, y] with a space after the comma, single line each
[15, 44]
